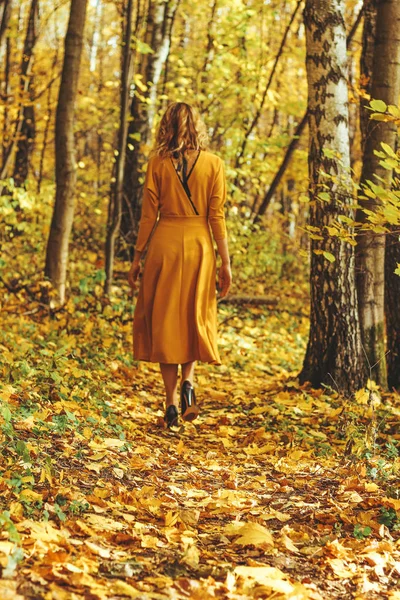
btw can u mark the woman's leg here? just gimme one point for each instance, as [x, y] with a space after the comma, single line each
[188, 371]
[170, 376]
[190, 409]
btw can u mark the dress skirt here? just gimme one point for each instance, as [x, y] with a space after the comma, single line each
[175, 317]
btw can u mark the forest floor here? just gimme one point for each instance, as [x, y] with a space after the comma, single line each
[276, 491]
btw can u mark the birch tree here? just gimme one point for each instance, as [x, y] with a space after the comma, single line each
[333, 354]
[5, 11]
[144, 108]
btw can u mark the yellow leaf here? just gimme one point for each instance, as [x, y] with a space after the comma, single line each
[371, 487]
[250, 534]
[271, 577]
[275, 514]
[99, 550]
[94, 467]
[255, 450]
[8, 590]
[191, 556]
[99, 455]
[180, 447]
[361, 396]
[118, 472]
[378, 105]
[329, 256]
[287, 542]
[16, 510]
[352, 496]
[6, 547]
[138, 82]
[43, 531]
[113, 443]
[87, 432]
[30, 496]
[392, 502]
[101, 492]
[121, 588]
[104, 523]
[341, 569]
[376, 560]
[170, 518]
[189, 517]
[150, 541]
[72, 568]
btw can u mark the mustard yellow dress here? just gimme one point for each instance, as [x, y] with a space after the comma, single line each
[175, 318]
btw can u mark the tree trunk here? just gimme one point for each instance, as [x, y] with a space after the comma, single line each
[294, 143]
[49, 110]
[6, 98]
[366, 64]
[392, 257]
[28, 130]
[167, 61]
[209, 57]
[115, 208]
[392, 295]
[100, 86]
[143, 110]
[5, 19]
[385, 85]
[61, 224]
[333, 354]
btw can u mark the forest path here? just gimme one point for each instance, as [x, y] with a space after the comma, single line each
[254, 499]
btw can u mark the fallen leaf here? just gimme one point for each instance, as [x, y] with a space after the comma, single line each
[341, 569]
[30, 496]
[250, 534]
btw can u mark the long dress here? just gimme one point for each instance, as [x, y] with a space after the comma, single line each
[175, 319]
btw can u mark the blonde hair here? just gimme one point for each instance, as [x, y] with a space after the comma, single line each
[181, 128]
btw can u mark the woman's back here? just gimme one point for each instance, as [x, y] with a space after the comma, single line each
[166, 194]
[203, 170]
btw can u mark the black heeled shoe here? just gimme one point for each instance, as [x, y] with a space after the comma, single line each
[171, 416]
[189, 408]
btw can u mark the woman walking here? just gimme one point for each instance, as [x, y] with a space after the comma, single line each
[175, 321]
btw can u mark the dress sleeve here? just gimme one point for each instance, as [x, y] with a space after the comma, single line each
[216, 216]
[150, 204]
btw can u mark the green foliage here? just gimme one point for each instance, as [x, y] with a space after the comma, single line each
[6, 524]
[388, 517]
[385, 211]
[360, 532]
[263, 254]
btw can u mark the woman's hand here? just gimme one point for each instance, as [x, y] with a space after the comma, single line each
[224, 279]
[134, 273]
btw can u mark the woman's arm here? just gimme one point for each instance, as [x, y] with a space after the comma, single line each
[216, 207]
[216, 218]
[135, 269]
[224, 273]
[148, 220]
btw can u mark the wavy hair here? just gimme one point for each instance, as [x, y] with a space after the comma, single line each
[181, 128]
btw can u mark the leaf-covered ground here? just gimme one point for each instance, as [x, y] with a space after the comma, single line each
[276, 491]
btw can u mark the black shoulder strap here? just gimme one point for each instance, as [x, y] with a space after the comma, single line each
[185, 182]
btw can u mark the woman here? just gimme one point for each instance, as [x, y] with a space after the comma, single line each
[175, 321]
